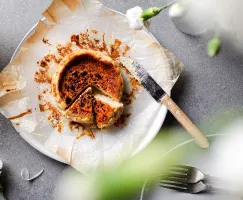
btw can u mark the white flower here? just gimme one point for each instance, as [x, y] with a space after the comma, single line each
[134, 19]
[177, 10]
[222, 16]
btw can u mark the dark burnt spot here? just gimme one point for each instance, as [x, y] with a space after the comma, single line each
[71, 87]
[43, 64]
[75, 38]
[81, 104]
[98, 76]
[89, 93]
[68, 100]
[84, 73]
[75, 74]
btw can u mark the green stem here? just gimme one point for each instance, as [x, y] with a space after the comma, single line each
[151, 12]
[168, 5]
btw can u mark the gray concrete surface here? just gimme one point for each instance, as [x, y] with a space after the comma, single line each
[206, 86]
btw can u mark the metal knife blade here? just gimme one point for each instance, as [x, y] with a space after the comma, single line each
[138, 72]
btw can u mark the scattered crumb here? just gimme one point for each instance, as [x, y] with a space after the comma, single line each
[115, 49]
[121, 122]
[42, 107]
[54, 115]
[9, 90]
[94, 31]
[85, 132]
[46, 41]
[29, 111]
[75, 125]
[81, 130]
[42, 76]
[127, 48]
[64, 50]
[45, 91]
[39, 97]
[84, 41]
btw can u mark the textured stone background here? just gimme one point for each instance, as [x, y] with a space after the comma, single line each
[206, 86]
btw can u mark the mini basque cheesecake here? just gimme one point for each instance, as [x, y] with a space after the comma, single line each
[88, 86]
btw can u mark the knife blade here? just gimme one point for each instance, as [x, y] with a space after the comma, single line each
[154, 89]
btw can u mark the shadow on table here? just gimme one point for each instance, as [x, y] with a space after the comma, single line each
[4, 180]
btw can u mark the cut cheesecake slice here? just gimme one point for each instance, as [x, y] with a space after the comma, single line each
[106, 110]
[81, 110]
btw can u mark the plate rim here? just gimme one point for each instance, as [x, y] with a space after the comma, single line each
[160, 117]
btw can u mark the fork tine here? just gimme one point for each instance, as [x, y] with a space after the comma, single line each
[174, 175]
[172, 183]
[177, 178]
[177, 187]
[183, 171]
[182, 167]
[172, 188]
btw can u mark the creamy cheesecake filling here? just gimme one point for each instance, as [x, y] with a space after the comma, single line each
[107, 111]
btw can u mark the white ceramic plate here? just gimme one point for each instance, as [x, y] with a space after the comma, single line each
[155, 126]
[207, 161]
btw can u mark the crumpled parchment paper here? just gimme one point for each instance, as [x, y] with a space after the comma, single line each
[22, 96]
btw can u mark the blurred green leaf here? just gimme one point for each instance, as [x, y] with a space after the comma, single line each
[129, 178]
[122, 182]
[214, 46]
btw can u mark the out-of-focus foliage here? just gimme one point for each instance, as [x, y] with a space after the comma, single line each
[123, 181]
[213, 47]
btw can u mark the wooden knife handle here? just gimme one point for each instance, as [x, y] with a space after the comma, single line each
[184, 120]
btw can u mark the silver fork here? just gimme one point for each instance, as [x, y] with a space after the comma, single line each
[187, 174]
[188, 187]
[195, 188]
[190, 180]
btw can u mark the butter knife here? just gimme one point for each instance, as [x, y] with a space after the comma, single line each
[138, 72]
